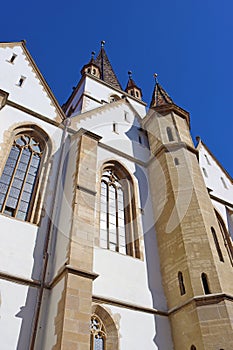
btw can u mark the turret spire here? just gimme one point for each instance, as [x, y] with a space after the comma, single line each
[163, 103]
[131, 88]
[160, 97]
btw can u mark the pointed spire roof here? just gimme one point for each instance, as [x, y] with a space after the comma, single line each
[106, 71]
[131, 85]
[160, 97]
[163, 103]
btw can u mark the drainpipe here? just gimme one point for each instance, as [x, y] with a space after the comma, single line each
[51, 228]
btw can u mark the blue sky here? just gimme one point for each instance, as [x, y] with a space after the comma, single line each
[188, 43]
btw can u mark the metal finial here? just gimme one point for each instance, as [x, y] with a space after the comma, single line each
[155, 76]
[93, 54]
[102, 43]
[130, 74]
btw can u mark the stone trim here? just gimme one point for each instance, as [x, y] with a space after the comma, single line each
[126, 305]
[170, 147]
[222, 201]
[202, 300]
[19, 280]
[72, 270]
[3, 98]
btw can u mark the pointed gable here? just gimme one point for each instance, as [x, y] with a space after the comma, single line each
[106, 71]
[25, 84]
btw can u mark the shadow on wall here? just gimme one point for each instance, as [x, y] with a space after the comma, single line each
[36, 308]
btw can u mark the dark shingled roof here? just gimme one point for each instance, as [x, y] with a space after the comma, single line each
[160, 97]
[106, 71]
[131, 84]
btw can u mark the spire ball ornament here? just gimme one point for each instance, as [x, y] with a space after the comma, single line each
[93, 54]
[102, 43]
[155, 76]
[130, 74]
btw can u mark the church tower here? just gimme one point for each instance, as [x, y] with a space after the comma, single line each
[195, 262]
[116, 231]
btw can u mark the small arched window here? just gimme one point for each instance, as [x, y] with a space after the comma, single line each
[205, 283]
[193, 347]
[181, 283]
[19, 182]
[118, 230]
[98, 334]
[217, 244]
[169, 134]
[176, 161]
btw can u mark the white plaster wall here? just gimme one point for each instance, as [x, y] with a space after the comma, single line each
[20, 243]
[11, 117]
[100, 91]
[17, 304]
[126, 137]
[61, 245]
[213, 181]
[73, 103]
[138, 330]
[47, 337]
[214, 172]
[31, 94]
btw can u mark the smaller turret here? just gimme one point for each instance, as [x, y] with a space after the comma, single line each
[132, 89]
[91, 67]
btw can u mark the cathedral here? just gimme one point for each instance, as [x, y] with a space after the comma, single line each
[116, 228]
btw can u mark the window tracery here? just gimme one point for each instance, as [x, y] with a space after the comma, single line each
[117, 230]
[98, 334]
[20, 176]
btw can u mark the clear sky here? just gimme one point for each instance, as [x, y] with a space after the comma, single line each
[189, 43]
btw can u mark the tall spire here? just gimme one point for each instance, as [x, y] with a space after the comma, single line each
[106, 71]
[160, 97]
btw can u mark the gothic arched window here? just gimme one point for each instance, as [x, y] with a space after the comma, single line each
[118, 230]
[98, 334]
[20, 177]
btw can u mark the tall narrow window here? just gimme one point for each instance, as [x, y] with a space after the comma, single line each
[207, 159]
[20, 176]
[217, 244]
[181, 283]
[205, 172]
[223, 182]
[205, 283]
[117, 211]
[98, 334]
[169, 134]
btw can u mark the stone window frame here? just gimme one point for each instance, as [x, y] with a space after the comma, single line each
[109, 326]
[36, 200]
[133, 246]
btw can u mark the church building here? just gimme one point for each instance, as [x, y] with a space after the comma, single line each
[116, 228]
